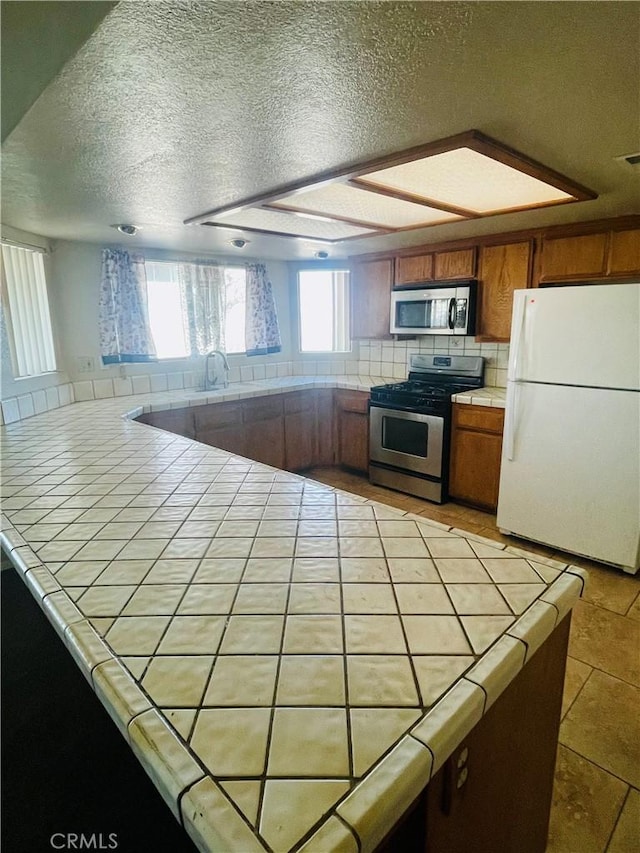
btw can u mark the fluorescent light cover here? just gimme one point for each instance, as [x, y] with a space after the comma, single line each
[372, 208]
[467, 179]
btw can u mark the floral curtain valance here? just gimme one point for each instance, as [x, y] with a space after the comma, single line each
[125, 333]
[262, 331]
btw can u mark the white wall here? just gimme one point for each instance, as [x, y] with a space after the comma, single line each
[76, 284]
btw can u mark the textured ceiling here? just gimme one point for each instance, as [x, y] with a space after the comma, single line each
[171, 109]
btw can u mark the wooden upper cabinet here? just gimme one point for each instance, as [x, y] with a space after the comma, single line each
[452, 265]
[571, 258]
[371, 283]
[501, 270]
[624, 252]
[414, 269]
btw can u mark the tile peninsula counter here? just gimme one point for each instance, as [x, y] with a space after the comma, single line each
[291, 664]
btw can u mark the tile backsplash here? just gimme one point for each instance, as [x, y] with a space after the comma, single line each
[387, 359]
[391, 358]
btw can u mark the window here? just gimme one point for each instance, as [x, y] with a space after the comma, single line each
[165, 309]
[24, 296]
[323, 299]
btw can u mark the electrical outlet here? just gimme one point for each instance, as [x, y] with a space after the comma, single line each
[86, 364]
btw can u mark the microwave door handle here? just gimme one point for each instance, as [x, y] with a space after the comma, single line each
[452, 312]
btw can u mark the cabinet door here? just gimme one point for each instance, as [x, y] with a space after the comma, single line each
[458, 264]
[624, 252]
[220, 425]
[494, 794]
[502, 269]
[263, 421]
[371, 298]
[180, 421]
[326, 449]
[476, 450]
[414, 269]
[352, 427]
[572, 258]
[300, 430]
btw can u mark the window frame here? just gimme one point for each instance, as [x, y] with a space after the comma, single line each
[324, 266]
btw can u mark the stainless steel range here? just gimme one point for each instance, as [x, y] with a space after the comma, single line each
[410, 424]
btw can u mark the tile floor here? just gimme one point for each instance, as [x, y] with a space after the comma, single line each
[596, 805]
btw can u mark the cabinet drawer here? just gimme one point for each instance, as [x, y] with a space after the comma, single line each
[262, 408]
[353, 401]
[484, 418]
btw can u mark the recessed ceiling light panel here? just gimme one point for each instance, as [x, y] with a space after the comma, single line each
[467, 179]
[351, 203]
[288, 224]
[461, 177]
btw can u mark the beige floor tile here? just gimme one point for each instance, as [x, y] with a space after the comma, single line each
[154, 599]
[575, 676]
[105, 600]
[603, 725]
[634, 610]
[315, 598]
[610, 588]
[261, 598]
[626, 835]
[586, 803]
[423, 598]
[606, 641]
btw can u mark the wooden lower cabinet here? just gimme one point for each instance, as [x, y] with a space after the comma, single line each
[501, 803]
[263, 427]
[300, 430]
[220, 425]
[291, 431]
[180, 421]
[476, 450]
[352, 429]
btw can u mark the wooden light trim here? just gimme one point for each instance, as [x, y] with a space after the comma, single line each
[357, 176]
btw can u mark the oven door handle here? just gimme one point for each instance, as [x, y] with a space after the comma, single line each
[452, 312]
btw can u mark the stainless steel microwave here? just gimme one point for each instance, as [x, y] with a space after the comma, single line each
[435, 309]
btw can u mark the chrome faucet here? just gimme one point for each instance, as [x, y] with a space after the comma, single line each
[209, 381]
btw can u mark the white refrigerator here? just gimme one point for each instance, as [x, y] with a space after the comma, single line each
[570, 474]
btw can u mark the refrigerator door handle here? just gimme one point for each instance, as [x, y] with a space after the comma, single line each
[509, 439]
[517, 324]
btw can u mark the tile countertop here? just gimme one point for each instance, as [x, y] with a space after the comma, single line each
[290, 663]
